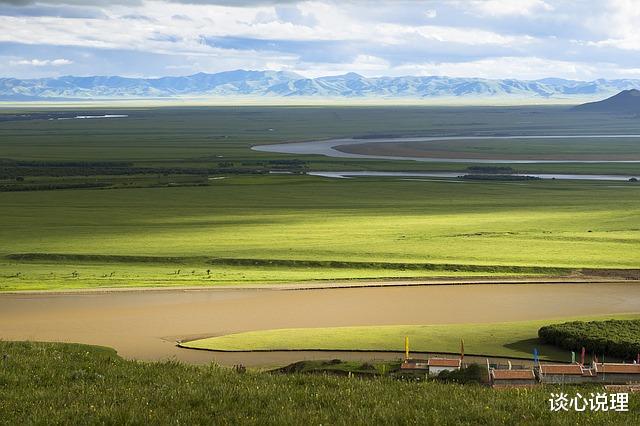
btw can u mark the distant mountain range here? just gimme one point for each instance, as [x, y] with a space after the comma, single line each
[287, 84]
[627, 101]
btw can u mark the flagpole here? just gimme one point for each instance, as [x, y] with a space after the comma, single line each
[406, 347]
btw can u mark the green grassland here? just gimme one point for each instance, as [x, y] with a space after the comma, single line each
[498, 227]
[183, 183]
[71, 275]
[205, 136]
[509, 339]
[50, 383]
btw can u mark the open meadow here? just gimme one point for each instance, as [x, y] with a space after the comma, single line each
[173, 236]
[184, 138]
[175, 196]
[558, 149]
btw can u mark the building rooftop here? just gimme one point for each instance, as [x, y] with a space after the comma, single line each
[513, 375]
[568, 369]
[618, 368]
[444, 362]
[414, 364]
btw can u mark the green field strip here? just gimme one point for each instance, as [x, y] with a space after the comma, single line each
[507, 339]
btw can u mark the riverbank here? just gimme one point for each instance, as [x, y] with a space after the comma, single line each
[514, 340]
[353, 283]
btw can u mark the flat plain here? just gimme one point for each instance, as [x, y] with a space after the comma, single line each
[175, 196]
[204, 136]
[579, 149]
[484, 227]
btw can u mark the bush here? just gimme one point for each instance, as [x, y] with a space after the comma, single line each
[367, 367]
[617, 338]
[471, 374]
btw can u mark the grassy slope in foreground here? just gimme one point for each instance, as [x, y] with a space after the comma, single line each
[53, 383]
[509, 339]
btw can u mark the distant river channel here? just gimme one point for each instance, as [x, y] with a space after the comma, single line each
[331, 148]
[454, 175]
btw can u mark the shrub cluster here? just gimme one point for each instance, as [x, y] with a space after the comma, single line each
[618, 338]
[474, 373]
[14, 169]
[51, 186]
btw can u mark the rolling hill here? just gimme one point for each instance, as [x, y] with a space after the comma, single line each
[627, 101]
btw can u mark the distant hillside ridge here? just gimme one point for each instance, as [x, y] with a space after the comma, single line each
[287, 84]
[627, 101]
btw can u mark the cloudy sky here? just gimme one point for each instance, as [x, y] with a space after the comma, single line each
[524, 39]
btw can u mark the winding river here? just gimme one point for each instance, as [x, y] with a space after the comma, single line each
[147, 324]
[455, 175]
[331, 148]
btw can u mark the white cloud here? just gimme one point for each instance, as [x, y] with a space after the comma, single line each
[522, 68]
[487, 38]
[367, 65]
[397, 34]
[510, 7]
[619, 23]
[42, 62]
[315, 21]
[431, 13]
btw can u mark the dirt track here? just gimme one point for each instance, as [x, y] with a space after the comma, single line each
[146, 325]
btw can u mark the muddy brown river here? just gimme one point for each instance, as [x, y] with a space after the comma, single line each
[146, 324]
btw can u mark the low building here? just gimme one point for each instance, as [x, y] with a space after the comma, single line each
[565, 373]
[438, 365]
[616, 373]
[512, 378]
[414, 364]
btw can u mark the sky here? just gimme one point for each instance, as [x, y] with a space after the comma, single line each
[520, 39]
